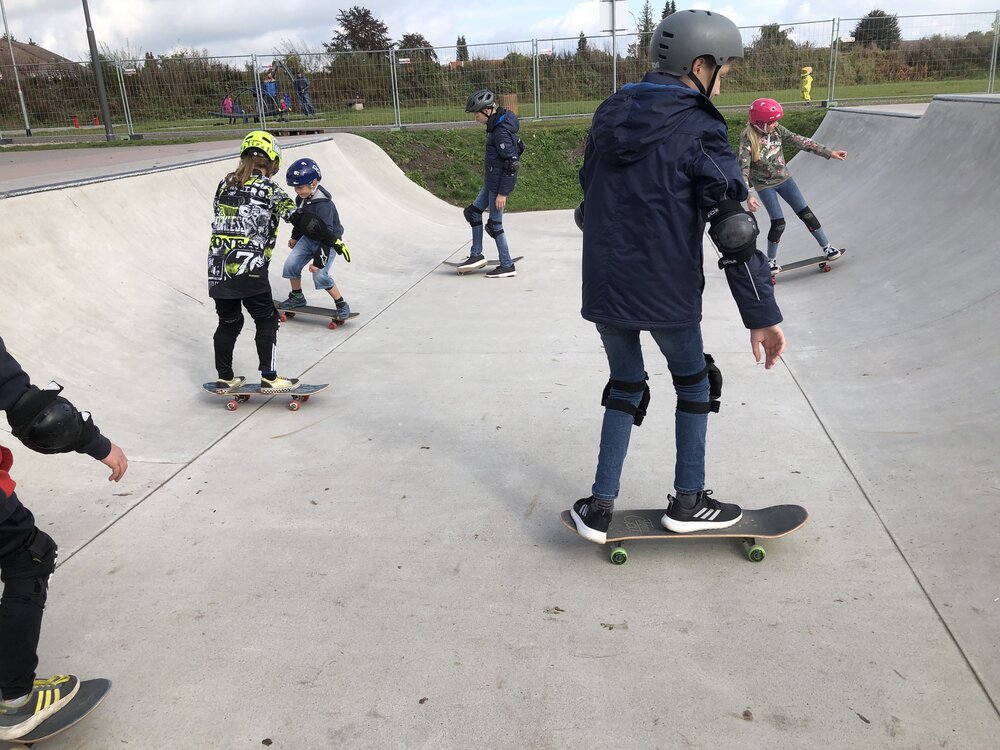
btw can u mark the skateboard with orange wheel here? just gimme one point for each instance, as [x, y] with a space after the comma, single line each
[299, 394]
[819, 261]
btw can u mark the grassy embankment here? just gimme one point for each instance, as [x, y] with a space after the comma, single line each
[448, 162]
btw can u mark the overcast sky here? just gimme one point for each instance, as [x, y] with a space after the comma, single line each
[232, 27]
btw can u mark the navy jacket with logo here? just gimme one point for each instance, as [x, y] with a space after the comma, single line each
[502, 145]
[656, 159]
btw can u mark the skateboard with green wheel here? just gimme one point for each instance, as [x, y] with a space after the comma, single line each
[761, 523]
[88, 697]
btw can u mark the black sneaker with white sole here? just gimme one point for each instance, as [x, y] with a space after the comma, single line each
[591, 522]
[699, 512]
[501, 272]
[472, 263]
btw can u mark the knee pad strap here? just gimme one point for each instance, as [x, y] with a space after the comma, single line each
[714, 388]
[637, 413]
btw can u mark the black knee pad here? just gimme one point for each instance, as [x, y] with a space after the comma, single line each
[26, 574]
[637, 412]
[714, 389]
[809, 219]
[473, 215]
[777, 228]
[494, 228]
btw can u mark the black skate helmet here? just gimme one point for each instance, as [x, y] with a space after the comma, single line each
[479, 100]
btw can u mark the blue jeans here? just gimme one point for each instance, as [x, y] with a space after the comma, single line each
[487, 201]
[793, 197]
[685, 355]
[301, 256]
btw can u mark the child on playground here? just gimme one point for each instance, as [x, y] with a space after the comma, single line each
[807, 83]
[314, 200]
[500, 166]
[247, 207]
[764, 169]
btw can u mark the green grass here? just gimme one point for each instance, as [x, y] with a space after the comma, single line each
[448, 162]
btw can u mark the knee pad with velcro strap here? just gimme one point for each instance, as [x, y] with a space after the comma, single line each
[618, 404]
[494, 228]
[777, 229]
[27, 573]
[809, 219]
[473, 215]
[714, 389]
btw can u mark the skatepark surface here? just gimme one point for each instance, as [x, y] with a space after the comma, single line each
[386, 568]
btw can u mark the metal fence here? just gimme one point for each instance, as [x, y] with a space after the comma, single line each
[852, 60]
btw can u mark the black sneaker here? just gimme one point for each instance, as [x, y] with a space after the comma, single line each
[699, 513]
[47, 696]
[501, 272]
[591, 522]
[473, 262]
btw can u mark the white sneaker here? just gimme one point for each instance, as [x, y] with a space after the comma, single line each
[831, 252]
[775, 268]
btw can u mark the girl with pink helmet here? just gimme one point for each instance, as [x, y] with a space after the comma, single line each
[763, 164]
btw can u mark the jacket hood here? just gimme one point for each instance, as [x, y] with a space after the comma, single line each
[503, 118]
[641, 116]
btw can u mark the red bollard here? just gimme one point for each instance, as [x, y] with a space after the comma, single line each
[76, 121]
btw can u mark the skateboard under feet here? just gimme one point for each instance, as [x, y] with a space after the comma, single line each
[299, 395]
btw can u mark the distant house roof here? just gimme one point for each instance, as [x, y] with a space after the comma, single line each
[29, 54]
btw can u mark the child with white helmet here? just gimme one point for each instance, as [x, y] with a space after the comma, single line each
[763, 164]
[314, 200]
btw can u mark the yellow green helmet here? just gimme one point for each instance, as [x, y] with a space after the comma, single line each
[263, 142]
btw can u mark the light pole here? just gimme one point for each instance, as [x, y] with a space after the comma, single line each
[17, 78]
[95, 61]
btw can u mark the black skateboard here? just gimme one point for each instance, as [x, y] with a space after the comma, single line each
[763, 523]
[87, 698]
[316, 312]
[819, 261]
[489, 264]
[299, 394]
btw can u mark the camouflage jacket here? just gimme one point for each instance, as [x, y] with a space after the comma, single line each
[769, 169]
[244, 231]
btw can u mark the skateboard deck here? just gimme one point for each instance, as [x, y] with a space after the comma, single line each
[489, 264]
[88, 697]
[762, 523]
[299, 395]
[318, 312]
[819, 261]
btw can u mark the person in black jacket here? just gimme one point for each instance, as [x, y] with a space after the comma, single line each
[47, 423]
[657, 165]
[500, 167]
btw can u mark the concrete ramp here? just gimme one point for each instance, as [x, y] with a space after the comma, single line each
[386, 568]
[897, 348]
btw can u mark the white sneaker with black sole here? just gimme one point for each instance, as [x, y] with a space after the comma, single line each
[701, 512]
[591, 522]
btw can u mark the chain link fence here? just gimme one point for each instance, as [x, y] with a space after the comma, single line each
[852, 60]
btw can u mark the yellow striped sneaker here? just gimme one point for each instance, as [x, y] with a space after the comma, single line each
[18, 716]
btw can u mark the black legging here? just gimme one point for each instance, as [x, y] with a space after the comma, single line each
[261, 309]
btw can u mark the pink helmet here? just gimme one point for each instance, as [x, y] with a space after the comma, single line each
[764, 112]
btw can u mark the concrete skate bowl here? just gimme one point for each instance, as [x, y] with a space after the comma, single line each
[897, 347]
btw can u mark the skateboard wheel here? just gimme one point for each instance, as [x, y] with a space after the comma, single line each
[826, 267]
[232, 405]
[293, 405]
[774, 281]
[332, 325]
[619, 556]
[756, 553]
[282, 317]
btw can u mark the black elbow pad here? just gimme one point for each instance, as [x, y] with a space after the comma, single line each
[734, 231]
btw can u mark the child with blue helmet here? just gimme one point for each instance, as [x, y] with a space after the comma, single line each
[311, 245]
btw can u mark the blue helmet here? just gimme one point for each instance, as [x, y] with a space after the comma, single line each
[303, 172]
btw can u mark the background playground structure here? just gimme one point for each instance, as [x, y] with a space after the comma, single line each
[539, 78]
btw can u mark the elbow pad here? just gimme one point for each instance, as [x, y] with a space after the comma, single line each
[313, 227]
[511, 166]
[47, 423]
[734, 231]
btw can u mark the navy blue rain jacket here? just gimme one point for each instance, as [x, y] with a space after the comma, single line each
[656, 159]
[502, 145]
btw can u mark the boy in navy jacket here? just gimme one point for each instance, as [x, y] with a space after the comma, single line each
[500, 167]
[47, 423]
[657, 165]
